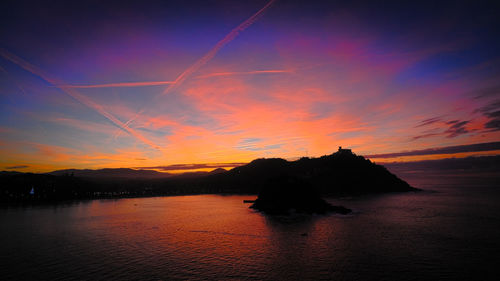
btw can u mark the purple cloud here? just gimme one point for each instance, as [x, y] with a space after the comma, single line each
[489, 146]
[429, 121]
[16, 167]
[176, 167]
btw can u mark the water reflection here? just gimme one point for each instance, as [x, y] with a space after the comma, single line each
[218, 237]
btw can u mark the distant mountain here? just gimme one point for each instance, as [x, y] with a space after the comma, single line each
[9, 173]
[126, 173]
[197, 174]
[218, 171]
[111, 173]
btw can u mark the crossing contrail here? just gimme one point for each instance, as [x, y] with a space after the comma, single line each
[208, 56]
[74, 94]
[159, 83]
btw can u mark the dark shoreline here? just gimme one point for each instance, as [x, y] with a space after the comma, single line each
[34, 203]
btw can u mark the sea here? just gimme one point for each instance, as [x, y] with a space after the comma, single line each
[450, 230]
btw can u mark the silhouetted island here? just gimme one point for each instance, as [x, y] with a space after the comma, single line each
[300, 183]
[284, 195]
[339, 174]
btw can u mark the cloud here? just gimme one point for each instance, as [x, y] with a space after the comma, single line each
[176, 167]
[487, 92]
[489, 146]
[456, 128]
[472, 170]
[492, 112]
[251, 140]
[429, 121]
[16, 167]
[493, 124]
[425, 136]
[253, 144]
[77, 124]
[493, 105]
[259, 148]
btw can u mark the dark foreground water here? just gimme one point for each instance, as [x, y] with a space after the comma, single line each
[450, 231]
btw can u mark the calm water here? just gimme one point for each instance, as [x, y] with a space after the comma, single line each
[447, 232]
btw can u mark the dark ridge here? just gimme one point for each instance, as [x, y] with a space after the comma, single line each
[218, 171]
[111, 173]
[341, 173]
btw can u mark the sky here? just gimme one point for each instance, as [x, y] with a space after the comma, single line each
[173, 85]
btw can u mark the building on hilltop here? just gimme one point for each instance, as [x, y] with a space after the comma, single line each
[343, 150]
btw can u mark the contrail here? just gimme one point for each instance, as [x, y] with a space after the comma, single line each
[72, 93]
[112, 85]
[126, 124]
[158, 83]
[242, 73]
[13, 80]
[208, 56]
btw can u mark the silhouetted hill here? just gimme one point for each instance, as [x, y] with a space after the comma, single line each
[341, 173]
[197, 174]
[218, 171]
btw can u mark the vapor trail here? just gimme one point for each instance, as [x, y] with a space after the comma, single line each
[74, 94]
[242, 73]
[13, 80]
[158, 83]
[127, 123]
[112, 85]
[208, 56]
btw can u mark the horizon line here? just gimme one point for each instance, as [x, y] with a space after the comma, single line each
[449, 150]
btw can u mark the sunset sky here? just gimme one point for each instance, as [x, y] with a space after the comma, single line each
[151, 84]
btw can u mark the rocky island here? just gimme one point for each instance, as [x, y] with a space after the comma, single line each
[283, 196]
[300, 183]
